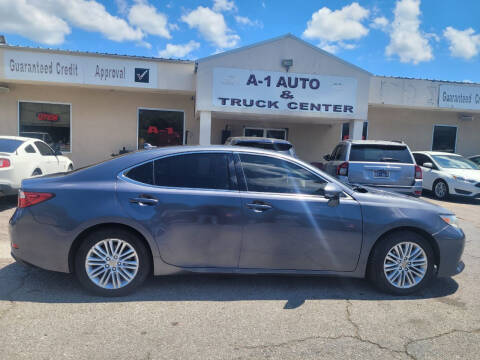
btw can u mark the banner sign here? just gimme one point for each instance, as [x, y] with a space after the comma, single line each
[459, 97]
[255, 90]
[94, 70]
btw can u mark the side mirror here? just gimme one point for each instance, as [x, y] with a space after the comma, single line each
[327, 157]
[332, 192]
[428, 165]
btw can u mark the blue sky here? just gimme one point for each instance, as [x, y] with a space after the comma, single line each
[435, 39]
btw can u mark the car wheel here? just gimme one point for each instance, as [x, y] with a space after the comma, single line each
[112, 262]
[70, 167]
[440, 189]
[37, 172]
[402, 263]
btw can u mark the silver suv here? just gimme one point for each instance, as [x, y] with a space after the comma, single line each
[385, 164]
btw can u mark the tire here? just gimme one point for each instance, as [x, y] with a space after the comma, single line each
[70, 167]
[440, 190]
[37, 172]
[380, 266]
[120, 278]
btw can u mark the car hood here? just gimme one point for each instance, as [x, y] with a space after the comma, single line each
[465, 173]
[394, 199]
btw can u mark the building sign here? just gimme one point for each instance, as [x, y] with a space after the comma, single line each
[459, 97]
[91, 70]
[256, 91]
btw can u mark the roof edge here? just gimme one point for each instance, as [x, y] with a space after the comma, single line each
[288, 35]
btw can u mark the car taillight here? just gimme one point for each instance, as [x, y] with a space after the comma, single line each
[418, 172]
[342, 169]
[28, 198]
[4, 163]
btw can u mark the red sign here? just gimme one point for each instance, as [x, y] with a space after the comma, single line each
[44, 116]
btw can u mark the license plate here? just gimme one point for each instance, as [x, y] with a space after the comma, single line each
[381, 173]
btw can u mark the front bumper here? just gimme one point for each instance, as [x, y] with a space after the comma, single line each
[7, 189]
[451, 243]
[463, 188]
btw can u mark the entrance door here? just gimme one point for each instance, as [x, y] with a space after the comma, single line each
[288, 223]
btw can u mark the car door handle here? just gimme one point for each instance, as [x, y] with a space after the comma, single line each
[259, 207]
[144, 201]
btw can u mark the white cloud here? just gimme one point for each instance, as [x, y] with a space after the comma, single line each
[406, 39]
[179, 50]
[212, 26]
[463, 44]
[243, 20]
[20, 17]
[147, 18]
[224, 5]
[90, 16]
[380, 23]
[333, 28]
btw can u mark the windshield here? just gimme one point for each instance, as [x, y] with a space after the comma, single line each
[9, 145]
[380, 153]
[455, 162]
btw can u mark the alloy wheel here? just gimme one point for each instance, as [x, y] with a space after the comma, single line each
[112, 263]
[440, 189]
[405, 265]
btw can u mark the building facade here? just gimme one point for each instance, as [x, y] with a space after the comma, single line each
[92, 106]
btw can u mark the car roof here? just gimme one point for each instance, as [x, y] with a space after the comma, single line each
[264, 140]
[21, 138]
[375, 142]
[435, 153]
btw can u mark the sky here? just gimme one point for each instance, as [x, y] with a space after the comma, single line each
[433, 39]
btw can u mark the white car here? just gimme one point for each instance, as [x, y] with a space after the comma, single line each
[22, 158]
[448, 174]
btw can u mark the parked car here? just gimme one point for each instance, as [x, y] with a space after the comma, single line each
[22, 158]
[448, 174]
[280, 145]
[388, 165]
[224, 209]
[475, 159]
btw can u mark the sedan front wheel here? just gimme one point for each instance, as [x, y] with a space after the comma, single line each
[402, 263]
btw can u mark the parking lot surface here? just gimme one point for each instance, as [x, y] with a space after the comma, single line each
[46, 315]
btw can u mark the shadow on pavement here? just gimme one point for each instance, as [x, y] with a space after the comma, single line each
[21, 283]
[8, 202]
[452, 199]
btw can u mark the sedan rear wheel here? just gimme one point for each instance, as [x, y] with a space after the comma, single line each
[112, 262]
[402, 263]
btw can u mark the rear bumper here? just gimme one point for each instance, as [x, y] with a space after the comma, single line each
[413, 190]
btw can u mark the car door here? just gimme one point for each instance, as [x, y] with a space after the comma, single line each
[190, 204]
[289, 224]
[48, 161]
[429, 174]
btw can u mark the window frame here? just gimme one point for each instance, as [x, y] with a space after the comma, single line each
[52, 103]
[231, 167]
[443, 125]
[139, 108]
[264, 130]
[243, 179]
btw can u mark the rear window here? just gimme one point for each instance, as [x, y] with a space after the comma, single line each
[266, 146]
[380, 153]
[9, 145]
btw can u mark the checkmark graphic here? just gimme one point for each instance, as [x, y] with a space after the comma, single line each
[140, 76]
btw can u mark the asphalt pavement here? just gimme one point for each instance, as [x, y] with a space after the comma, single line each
[46, 315]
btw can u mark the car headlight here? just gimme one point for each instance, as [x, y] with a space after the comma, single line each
[450, 220]
[460, 178]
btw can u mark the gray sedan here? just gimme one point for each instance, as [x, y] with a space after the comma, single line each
[225, 209]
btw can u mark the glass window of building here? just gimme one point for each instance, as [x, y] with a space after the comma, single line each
[444, 138]
[160, 127]
[48, 122]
